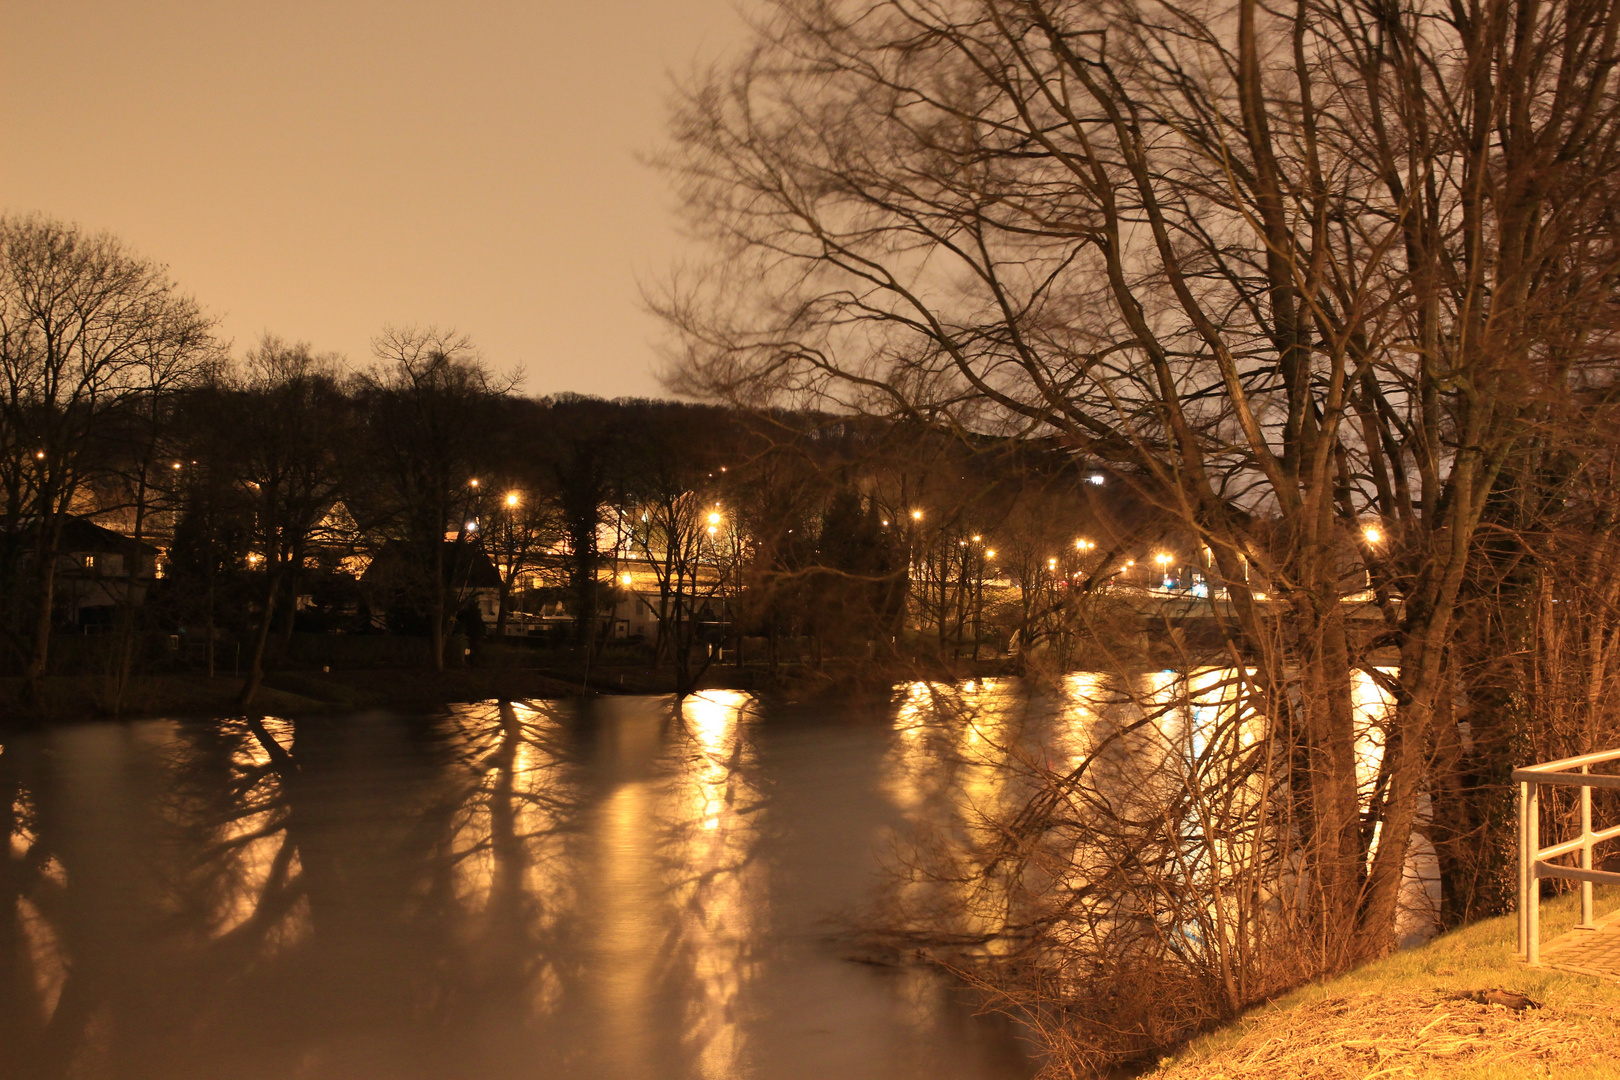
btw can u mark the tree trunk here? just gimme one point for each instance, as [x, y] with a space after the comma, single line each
[255, 675]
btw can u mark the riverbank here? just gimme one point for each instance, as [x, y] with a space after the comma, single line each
[301, 692]
[1451, 1008]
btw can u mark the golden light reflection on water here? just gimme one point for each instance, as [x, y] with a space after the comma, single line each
[1170, 744]
[714, 885]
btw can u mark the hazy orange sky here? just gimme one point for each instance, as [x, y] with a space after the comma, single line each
[321, 169]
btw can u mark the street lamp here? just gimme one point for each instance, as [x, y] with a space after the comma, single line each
[1373, 534]
[916, 515]
[473, 482]
[512, 499]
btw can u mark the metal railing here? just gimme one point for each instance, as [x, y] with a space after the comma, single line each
[1535, 861]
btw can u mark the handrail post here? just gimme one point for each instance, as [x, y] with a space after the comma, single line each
[1532, 907]
[1586, 922]
[1524, 868]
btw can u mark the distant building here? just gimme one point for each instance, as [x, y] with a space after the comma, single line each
[96, 570]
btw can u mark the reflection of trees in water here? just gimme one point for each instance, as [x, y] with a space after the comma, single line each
[271, 897]
[709, 816]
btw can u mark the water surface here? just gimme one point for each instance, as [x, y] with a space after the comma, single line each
[613, 888]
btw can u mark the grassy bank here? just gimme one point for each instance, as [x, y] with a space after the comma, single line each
[1417, 1013]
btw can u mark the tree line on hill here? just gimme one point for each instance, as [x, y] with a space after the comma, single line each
[267, 484]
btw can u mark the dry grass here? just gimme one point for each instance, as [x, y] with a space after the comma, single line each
[1411, 1033]
[1414, 1015]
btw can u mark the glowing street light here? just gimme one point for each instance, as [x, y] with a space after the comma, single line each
[714, 519]
[473, 482]
[511, 498]
[916, 515]
[1083, 544]
[1373, 534]
[990, 554]
[1164, 559]
[625, 578]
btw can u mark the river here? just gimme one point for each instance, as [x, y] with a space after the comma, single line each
[616, 888]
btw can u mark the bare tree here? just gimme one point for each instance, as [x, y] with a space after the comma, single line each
[288, 419]
[85, 327]
[427, 406]
[1307, 275]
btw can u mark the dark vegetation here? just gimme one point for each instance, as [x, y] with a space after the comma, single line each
[260, 521]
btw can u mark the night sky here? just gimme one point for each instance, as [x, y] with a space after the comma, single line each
[319, 169]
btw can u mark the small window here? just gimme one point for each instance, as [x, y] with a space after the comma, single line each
[89, 561]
